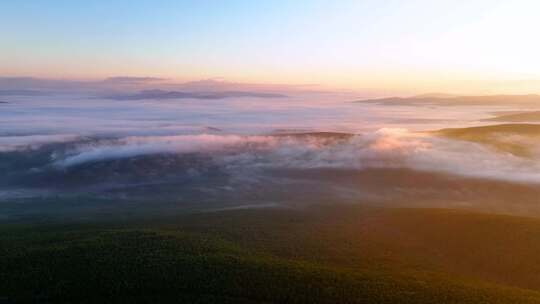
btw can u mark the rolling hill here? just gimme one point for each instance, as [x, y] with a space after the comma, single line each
[532, 116]
[518, 139]
[338, 254]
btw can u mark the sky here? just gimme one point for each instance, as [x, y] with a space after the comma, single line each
[476, 46]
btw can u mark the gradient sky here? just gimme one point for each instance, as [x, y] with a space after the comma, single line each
[444, 45]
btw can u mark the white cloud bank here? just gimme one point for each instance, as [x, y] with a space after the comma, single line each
[385, 148]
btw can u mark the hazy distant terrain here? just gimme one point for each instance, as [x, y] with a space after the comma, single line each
[449, 100]
[532, 116]
[161, 94]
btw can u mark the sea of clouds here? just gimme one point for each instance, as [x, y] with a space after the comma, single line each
[81, 126]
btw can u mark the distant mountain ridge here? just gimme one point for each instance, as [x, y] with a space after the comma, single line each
[430, 99]
[436, 95]
[164, 94]
[532, 116]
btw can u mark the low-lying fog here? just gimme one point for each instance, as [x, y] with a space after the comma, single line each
[265, 148]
